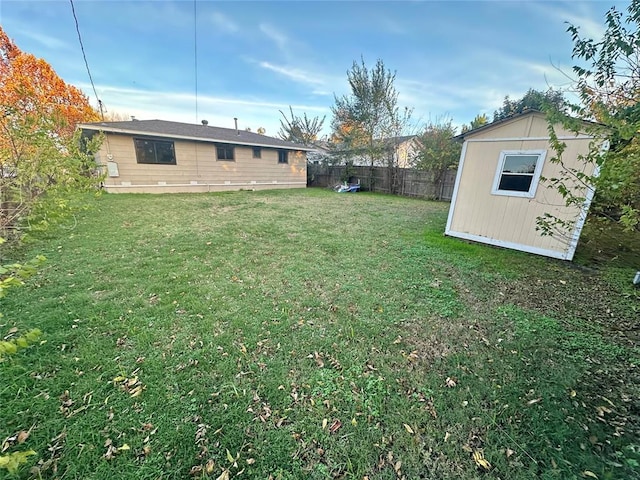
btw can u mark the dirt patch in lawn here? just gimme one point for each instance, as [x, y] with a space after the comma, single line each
[575, 295]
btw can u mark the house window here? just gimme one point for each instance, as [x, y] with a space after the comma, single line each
[257, 152]
[518, 173]
[283, 156]
[159, 152]
[225, 152]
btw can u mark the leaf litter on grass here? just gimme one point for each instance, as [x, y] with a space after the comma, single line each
[233, 347]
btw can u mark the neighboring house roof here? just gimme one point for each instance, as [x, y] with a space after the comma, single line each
[188, 131]
[399, 140]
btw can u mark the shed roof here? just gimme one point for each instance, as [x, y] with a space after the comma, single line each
[189, 131]
[496, 123]
[502, 121]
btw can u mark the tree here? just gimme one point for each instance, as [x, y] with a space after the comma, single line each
[42, 157]
[439, 152]
[369, 114]
[303, 130]
[532, 100]
[116, 117]
[608, 85]
[478, 121]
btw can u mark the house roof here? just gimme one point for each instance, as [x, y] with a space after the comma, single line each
[188, 131]
[398, 140]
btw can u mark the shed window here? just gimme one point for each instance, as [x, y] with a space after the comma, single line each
[257, 152]
[518, 173]
[283, 156]
[154, 151]
[225, 152]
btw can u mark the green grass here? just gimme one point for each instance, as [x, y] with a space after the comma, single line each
[256, 321]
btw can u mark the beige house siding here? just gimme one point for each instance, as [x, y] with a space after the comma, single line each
[198, 170]
[478, 214]
[406, 153]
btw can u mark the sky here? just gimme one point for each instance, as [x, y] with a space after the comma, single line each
[191, 60]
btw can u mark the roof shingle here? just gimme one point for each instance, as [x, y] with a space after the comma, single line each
[188, 131]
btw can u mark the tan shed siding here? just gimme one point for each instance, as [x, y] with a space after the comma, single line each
[506, 218]
[533, 126]
[196, 162]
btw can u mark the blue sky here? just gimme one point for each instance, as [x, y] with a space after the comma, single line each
[452, 59]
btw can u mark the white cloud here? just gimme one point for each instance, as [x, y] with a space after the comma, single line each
[277, 37]
[48, 41]
[180, 107]
[223, 23]
[293, 73]
[579, 15]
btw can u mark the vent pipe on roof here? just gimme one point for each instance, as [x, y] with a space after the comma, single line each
[205, 122]
[133, 119]
[235, 119]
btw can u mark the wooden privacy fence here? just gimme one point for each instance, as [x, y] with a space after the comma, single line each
[400, 181]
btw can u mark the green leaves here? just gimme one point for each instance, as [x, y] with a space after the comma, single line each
[12, 461]
[11, 346]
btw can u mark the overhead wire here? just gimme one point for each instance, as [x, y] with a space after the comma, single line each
[195, 64]
[86, 63]
[195, 52]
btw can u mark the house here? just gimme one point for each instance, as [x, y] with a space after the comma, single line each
[157, 156]
[403, 150]
[320, 153]
[499, 192]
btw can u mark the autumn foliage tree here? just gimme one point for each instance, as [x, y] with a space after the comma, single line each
[42, 157]
[370, 114]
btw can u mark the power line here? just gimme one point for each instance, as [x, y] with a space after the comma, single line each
[195, 51]
[73, 10]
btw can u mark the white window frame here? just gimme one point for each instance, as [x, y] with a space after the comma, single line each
[534, 181]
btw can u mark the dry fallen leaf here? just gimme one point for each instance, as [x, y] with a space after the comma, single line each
[318, 359]
[224, 475]
[324, 423]
[509, 452]
[590, 474]
[230, 457]
[450, 382]
[446, 436]
[408, 428]
[534, 401]
[22, 436]
[335, 426]
[478, 457]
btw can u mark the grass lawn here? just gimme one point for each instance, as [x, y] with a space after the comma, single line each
[306, 334]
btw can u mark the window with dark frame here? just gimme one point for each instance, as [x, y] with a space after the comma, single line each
[283, 156]
[225, 152]
[158, 152]
[257, 152]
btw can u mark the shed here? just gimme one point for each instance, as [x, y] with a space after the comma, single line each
[157, 156]
[498, 192]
